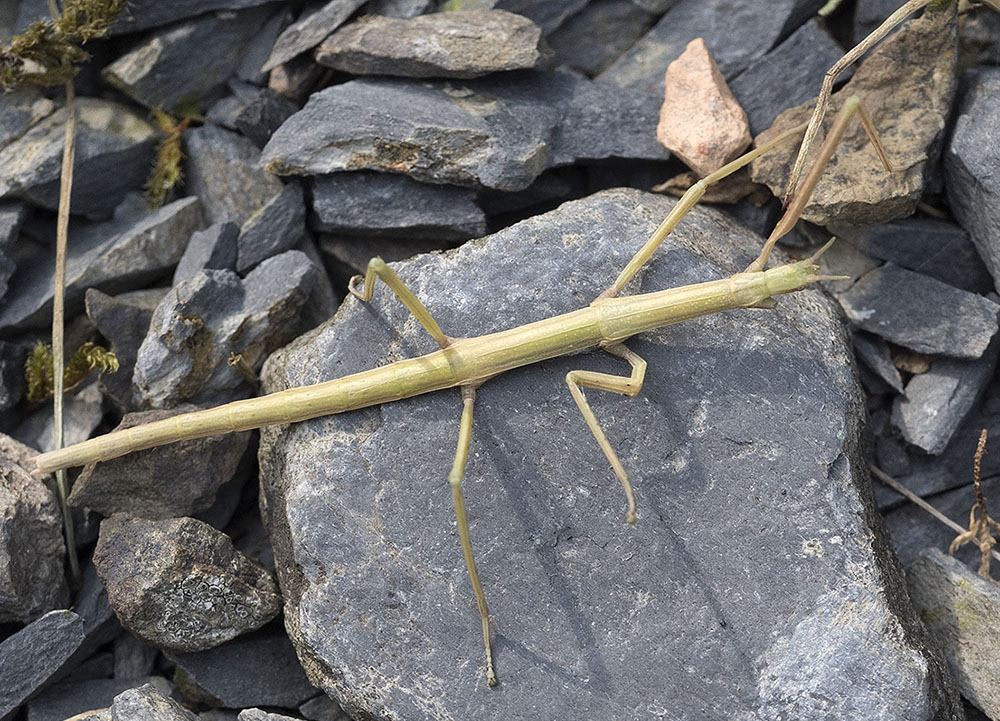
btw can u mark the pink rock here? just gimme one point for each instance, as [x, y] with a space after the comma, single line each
[700, 120]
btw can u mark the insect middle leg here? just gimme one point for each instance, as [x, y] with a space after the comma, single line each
[627, 386]
[455, 480]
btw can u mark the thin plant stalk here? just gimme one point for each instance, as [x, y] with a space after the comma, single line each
[58, 315]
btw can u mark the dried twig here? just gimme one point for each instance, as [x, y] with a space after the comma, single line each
[981, 528]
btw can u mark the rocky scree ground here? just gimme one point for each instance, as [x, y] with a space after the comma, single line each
[311, 571]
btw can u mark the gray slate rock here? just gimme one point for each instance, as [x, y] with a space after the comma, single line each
[12, 216]
[20, 110]
[148, 704]
[130, 250]
[736, 33]
[594, 38]
[223, 173]
[381, 204]
[399, 8]
[786, 76]
[123, 320]
[233, 675]
[99, 622]
[133, 659]
[938, 401]
[383, 616]
[12, 358]
[213, 248]
[32, 552]
[921, 313]
[201, 322]
[970, 163]
[134, 484]
[114, 151]
[278, 226]
[547, 15]
[32, 656]
[913, 531]
[962, 612]
[874, 351]
[497, 135]
[82, 413]
[932, 247]
[322, 708]
[187, 63]
[64, 700]
[144, 14]
[461, 44]
[317, 21]
[179, 584]
[468, 134]
[256, 714]
[264, 114]
[869, 14]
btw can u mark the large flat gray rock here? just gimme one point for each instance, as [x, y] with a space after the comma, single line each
[756, 584]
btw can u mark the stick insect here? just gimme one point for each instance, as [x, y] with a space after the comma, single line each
[467, 363]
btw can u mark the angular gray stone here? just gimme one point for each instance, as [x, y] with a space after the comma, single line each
[434, 131]
[786, 76]
[123, 320]
[65, 701]
[936, 402]
[134, 484]
[201, 322]
[928, 475]
[869, 14]
[318, 19]
[213, 248]
[322, 708]
[481, 132]
[595, 37]
[256, 714]
[929, 246]
[278, 226]
[460, 44]
[979, 40]
[921, 313]
[601, 121]
[126, 252]
[913, 530]
[970, 163]
[12, 216]
[223, 173]
[736, 33]
[179, 584]
[183, 65]
[12, 358]
[32, 552]
[133, 659]
[349, 256]
[398, 8]
[547, 15]
[264, 114]
[32, 656]
[144, 14]
[381, 204]
[82, 413]
[383, 616]
[20, 110]
[114, 151]
[962, 612]
[233, 675]
[875, 353]
[148, 704]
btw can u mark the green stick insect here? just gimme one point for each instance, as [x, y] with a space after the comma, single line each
[467, 363]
